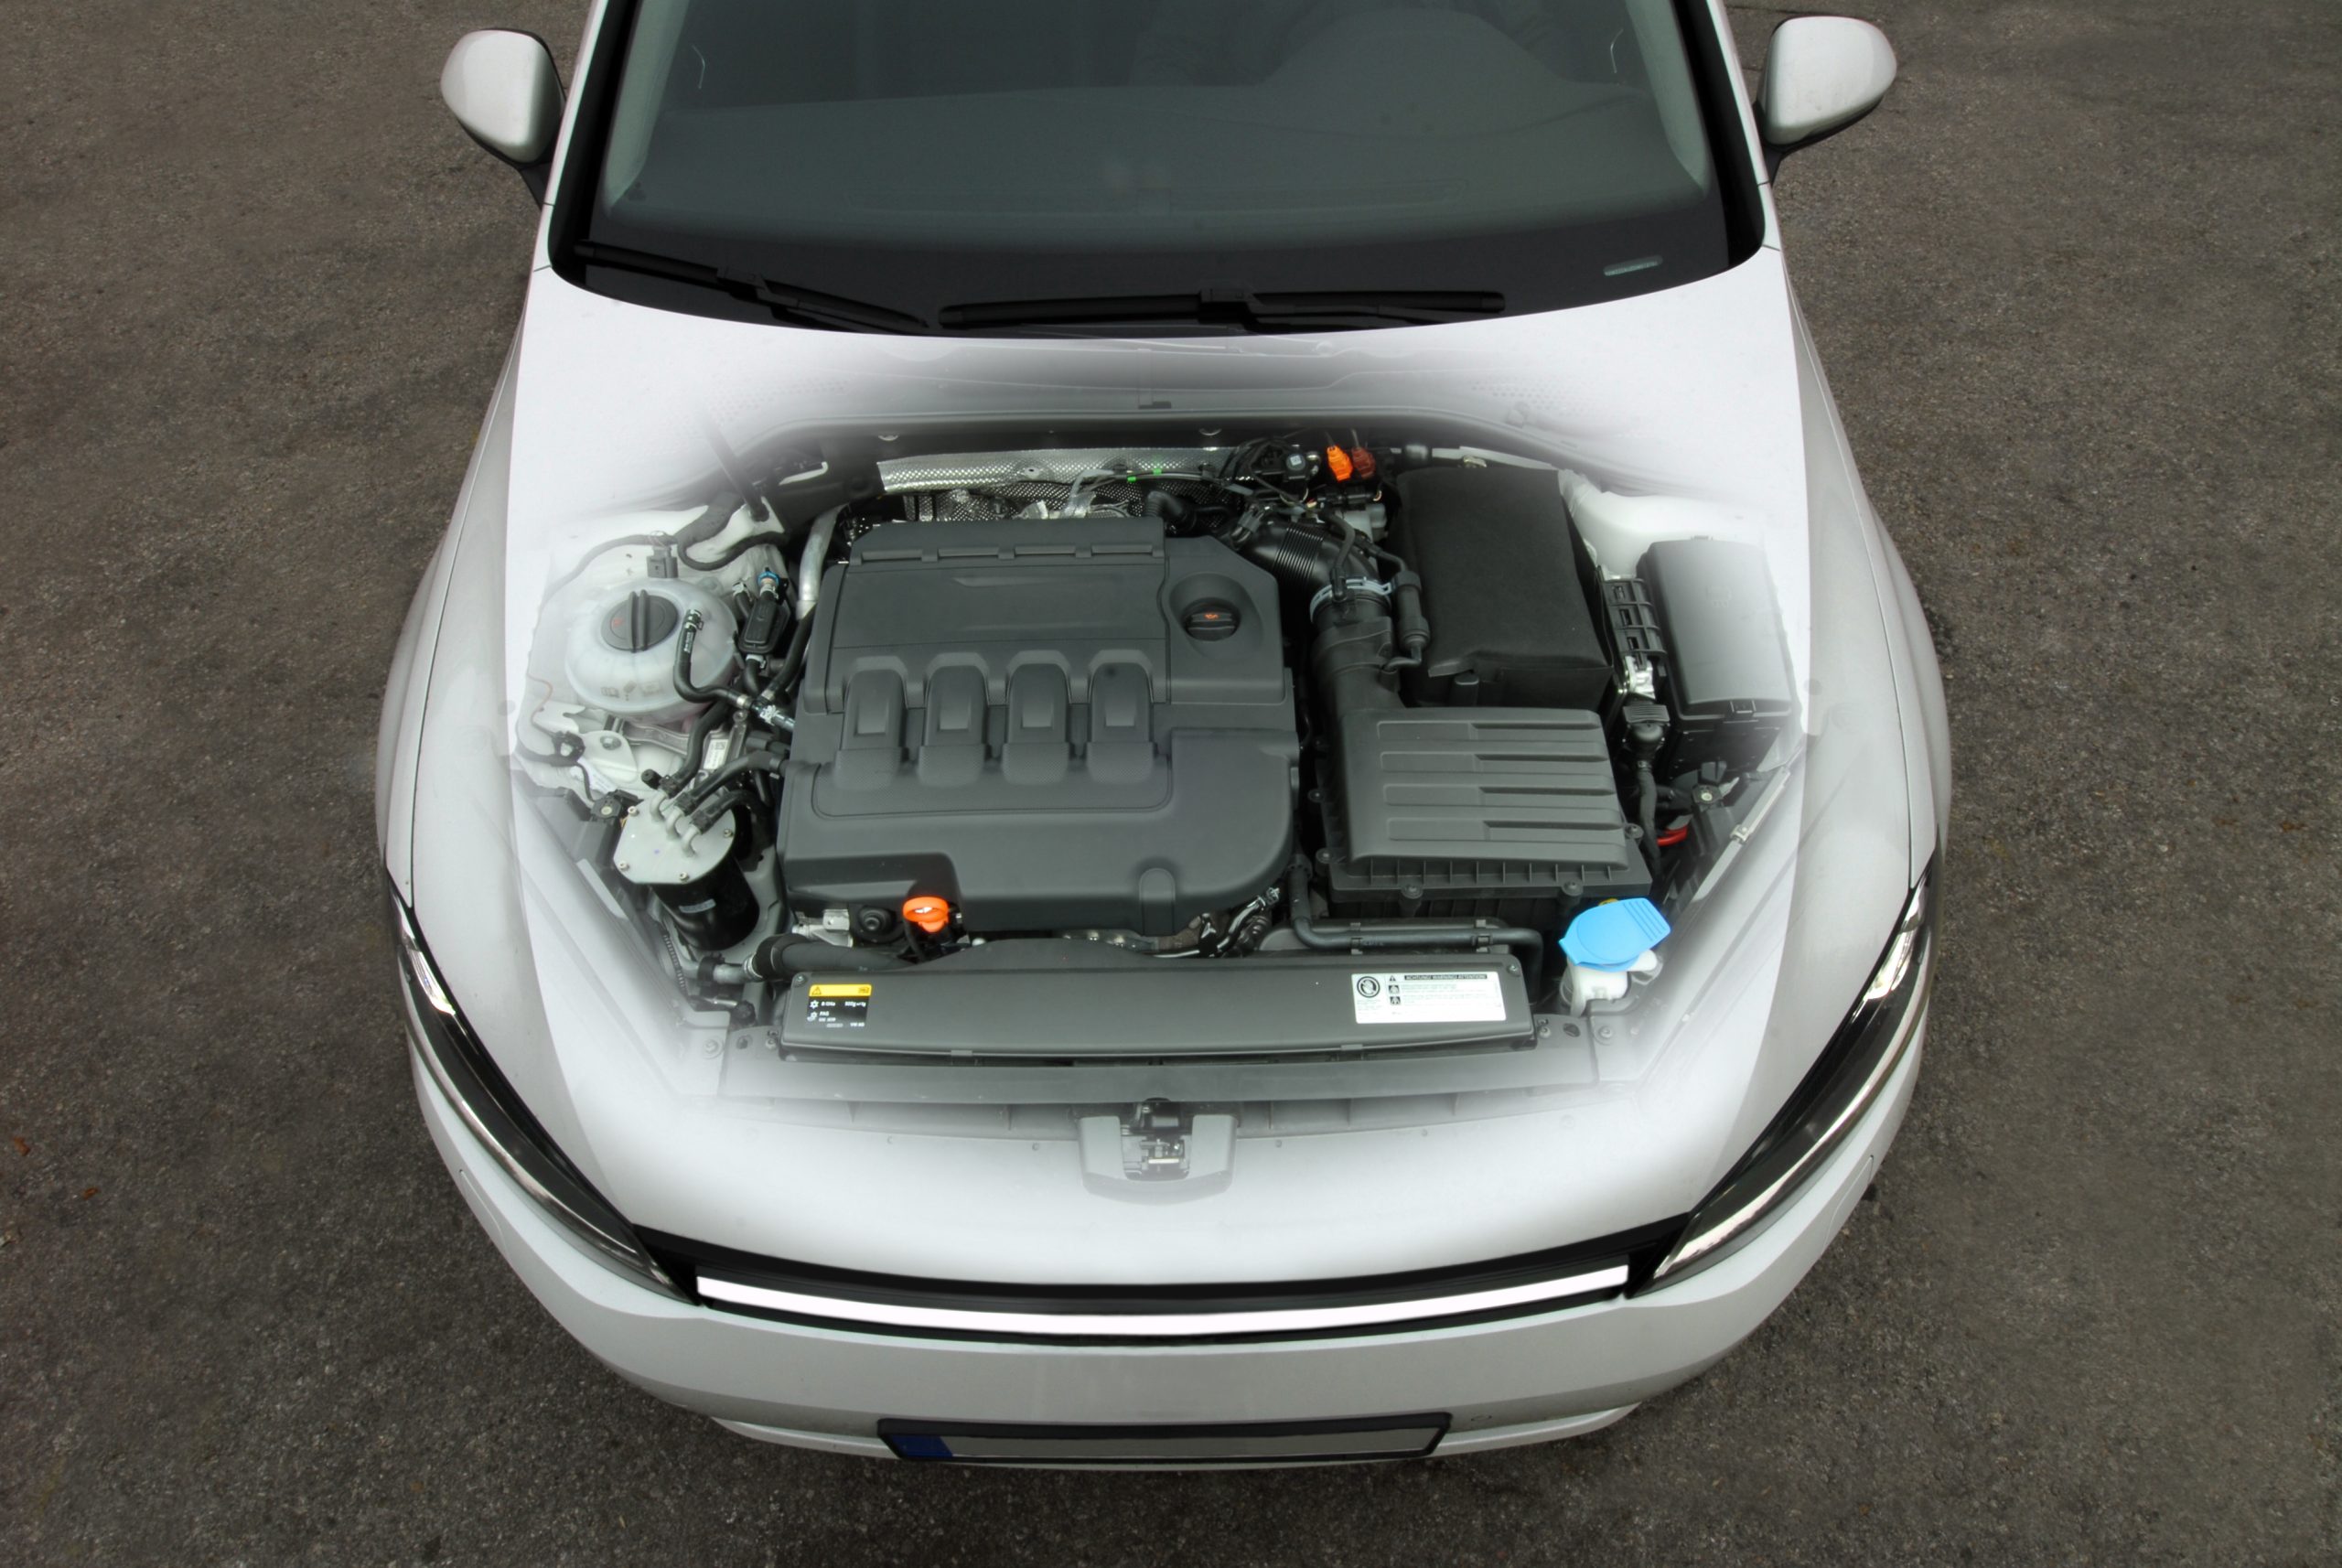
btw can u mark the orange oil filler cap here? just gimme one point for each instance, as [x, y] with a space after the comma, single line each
[928, 913]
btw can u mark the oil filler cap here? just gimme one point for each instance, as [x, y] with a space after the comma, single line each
[1214, 620]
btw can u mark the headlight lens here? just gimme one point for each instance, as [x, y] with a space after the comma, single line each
[470, 1079]
[1844, 1082]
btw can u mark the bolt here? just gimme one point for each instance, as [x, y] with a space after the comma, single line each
[609, 742]
[1544, 1026]
[621, 865]
[713, 1048]
[1603, 1032]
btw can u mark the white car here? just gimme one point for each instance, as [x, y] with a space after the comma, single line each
[1162, 733]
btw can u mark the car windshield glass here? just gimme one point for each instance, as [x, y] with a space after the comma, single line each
[914, 156]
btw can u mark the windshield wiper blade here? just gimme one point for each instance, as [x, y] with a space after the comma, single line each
[1324, 310]
[804, 306]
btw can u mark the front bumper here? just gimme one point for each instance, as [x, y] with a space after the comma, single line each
[1521, 1380]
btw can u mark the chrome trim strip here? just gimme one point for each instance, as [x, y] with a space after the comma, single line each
[1158, 1325]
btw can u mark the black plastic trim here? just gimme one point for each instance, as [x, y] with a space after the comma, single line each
[466, 1069]
[892, 1431]
[1806, 1120]
[1713, 73]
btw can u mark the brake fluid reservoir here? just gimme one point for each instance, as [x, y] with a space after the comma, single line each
[621, 652]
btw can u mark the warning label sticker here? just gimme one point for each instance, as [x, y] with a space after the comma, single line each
[837, 1006]
[1429, 997]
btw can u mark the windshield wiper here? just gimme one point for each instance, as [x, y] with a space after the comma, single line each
[1324, 311]
[802, 306]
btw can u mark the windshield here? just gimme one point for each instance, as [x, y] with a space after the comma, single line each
[914, 156]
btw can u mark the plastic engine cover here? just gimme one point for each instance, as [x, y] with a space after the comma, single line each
[1054, 724]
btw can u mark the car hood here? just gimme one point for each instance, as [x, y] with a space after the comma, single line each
[1703, 398]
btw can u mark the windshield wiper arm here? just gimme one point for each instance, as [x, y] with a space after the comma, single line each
[1324, 310]
[788, 302]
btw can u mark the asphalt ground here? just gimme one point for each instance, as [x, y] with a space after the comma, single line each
[2076, 285]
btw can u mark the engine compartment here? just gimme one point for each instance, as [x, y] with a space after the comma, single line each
[1054, 709]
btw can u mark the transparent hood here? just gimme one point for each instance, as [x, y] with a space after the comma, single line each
[1202, 805]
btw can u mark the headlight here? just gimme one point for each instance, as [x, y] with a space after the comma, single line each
[1844, 1084]
[468, 1076]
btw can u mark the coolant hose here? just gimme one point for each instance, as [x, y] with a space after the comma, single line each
[685, 686]
[792, 659]
[778, 958]
[1386, 935]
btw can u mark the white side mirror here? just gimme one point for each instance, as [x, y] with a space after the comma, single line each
[1821, 74]
[504, 89]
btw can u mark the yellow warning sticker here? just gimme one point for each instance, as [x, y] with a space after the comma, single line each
[837, 990]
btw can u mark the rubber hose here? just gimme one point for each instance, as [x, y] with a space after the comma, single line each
[780, 957]
[734, 770]
[1372, 936]
[695, 749]
[792, 659]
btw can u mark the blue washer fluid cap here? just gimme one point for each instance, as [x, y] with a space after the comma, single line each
[1613, 936]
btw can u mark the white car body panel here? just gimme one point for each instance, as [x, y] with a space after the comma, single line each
[1519, 1380]
[1706, 398]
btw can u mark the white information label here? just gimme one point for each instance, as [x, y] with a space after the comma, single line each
[1429, 997]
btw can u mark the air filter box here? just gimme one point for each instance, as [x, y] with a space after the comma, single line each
[1506, 588]
[1498, 813]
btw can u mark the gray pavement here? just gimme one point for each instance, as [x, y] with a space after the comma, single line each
[2076, 286]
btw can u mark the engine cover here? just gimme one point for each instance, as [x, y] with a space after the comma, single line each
[1053, 724]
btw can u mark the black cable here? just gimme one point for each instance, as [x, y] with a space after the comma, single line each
[601, 549]
[1647, 812]
[706, 526]
[734, 550]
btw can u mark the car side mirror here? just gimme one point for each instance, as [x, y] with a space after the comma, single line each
[1821, 74]
[505, 91]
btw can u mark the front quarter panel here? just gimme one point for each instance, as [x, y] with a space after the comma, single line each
[485, 490]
